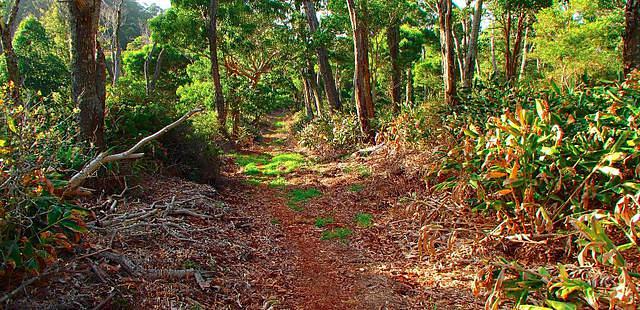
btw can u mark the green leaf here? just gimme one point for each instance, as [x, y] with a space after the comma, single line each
[12, 124]
[73, 226]
[558, 305]
[530, 307]
[610, 171]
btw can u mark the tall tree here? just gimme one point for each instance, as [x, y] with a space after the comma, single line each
[445, 19]
[467, 46]
[362, 75]
[7, 27]
[323, 58]
[87, 72]
[393, 42]
[631, 53]
[212, 35]
[116, 50]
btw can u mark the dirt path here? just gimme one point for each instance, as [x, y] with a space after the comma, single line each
[283, 232]
[366, 269]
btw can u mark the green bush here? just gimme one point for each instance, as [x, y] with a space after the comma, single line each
[557, 160]
[335, 133]
[36, 143]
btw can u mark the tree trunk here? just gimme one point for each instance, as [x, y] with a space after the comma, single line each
[306, 91]
[393, 41]
[409, 94]
[117, 51]
[215, 68]
[523, 62]
[86, 72]
[472, 50]
[156, 71]
[631, 52]
[6, 38]
[323, 59]
[511, 55]
[445, 12]
[362, 75]
[313, 86]
[494, 62]
[147, 63]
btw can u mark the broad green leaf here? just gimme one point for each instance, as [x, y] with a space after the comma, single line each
[610, 171]
[530, 307]
[558, 305]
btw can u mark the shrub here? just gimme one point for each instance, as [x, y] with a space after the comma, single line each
[36, 141]
[336, 133]
[551, 158]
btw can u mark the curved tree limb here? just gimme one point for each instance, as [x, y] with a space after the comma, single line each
[76, 181]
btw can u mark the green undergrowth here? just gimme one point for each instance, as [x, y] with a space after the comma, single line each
[323, 221]
[356, 188]
[299, 197]
[364, 220]
[340, 233]
[268, 165]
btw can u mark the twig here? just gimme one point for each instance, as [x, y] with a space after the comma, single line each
[104, 302]
[22, 286]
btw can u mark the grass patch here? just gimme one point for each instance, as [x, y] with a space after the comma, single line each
[298, 197]
[364, 220]
[356, 188]
[340, 233]
[323, 221]
[278, 182]
[363, 171]
[264, 164]
[280, 124]
[253, 181]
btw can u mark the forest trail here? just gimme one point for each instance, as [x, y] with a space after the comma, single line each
[339, 243]
[283, 231]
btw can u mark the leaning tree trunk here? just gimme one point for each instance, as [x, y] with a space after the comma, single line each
[117, 51]
[323, 59]
[631, 52]
[409, 90]
[472, 51]
[85, 70]
[445, 10]
[512, 54]
[156, 71]
[306, 92]
[215, 68]
[362, 75]
[313, 87]
[393, 41]
[6, 38]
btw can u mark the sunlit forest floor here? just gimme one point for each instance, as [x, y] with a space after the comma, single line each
[286, 230]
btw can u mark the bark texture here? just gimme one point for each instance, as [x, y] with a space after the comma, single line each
[6, 38]
[393, 41]
[323, 59]
[362, 74]
[86, 72]
[631, 52]
[445, 17]
[212, 33]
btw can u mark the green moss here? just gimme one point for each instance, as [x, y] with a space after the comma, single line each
[323, 221]
[336, 233]
[356, 188]
[299, 197]
[278, 182]
[253, 181]
[363, 171]
[262, 164]
[364, 220]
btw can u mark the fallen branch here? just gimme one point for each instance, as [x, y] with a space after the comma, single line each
[76, 181]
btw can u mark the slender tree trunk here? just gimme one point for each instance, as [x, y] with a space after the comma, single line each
[215, 68]
[364, 101]
[147, 63]
[86, 72]
[393, 41]
[313, 87]
[445, 13]
[156, 71]
[523, 62]
[409, 94]
[494, 62]
[631, 52]
[323, 59]
[511, 55]
[472, 50]
[6, 38]
[308, 106]
[117, 51]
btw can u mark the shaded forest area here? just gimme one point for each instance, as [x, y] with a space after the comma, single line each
[356, 154]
